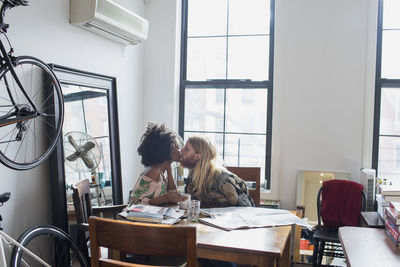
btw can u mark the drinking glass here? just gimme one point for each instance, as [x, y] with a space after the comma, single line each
[185, 205]
[194, 210]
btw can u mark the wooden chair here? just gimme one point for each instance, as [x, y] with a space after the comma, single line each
[140, 239]
[249, 174]
[83, 210]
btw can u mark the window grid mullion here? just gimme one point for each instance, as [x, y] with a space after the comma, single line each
[222, 132]
[389, 135]
[227, 84]
[229, 35]
[226, 77]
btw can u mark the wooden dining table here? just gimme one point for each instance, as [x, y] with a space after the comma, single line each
[264, 247]
[368, 247]
[269, 246]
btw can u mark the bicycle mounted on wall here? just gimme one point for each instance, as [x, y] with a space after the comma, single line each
[31, 118]
[31, 105]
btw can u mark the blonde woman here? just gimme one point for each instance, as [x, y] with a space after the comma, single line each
[213, 185]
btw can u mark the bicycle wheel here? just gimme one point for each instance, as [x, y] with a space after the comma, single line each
[51, 244]
[26, 144]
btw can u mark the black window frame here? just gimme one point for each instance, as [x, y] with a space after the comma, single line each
[229, 84]
[379, 84]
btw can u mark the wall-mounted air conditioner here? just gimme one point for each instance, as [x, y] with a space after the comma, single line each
[110, 20]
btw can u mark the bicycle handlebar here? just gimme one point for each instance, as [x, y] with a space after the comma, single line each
[14, 3]
[4, 197]
[6, 5]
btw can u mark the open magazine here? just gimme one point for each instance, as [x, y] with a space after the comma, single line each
[232, 218]
[152, 214]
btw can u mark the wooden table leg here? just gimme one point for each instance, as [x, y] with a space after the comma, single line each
[284, 260]
[296, 242]
[267, 262]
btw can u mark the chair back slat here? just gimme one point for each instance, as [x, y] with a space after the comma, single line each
[82, 202]
[141, 239]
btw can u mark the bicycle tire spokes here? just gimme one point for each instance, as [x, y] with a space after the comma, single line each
[25, 141]
[52, 250]
[50, 244]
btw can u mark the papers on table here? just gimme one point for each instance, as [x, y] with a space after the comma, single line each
[249, 217]
[148, 213]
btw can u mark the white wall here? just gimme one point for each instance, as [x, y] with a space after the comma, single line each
[161, 63]
[43, 30]
[320, 85]
[323, 77]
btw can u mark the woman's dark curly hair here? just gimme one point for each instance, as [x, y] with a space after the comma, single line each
[156, 144]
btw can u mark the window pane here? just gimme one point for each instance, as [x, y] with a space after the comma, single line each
[204, 110]
[105, 163]
[245, 150]
[390, 111]
[391, 54]
[246, 110]
[73, 111]
[206, 58]
[249, 17]
[207, 17]
[389, 161]
[97, 119]
[216, 139]
[248, 58]
[391, 18]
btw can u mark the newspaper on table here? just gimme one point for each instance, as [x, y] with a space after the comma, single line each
[232, 218]
[169, 215]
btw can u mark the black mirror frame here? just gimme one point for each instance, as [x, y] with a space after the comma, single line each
[58, 188]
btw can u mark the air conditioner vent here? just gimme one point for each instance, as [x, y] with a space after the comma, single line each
[110, 20]
[124, 17]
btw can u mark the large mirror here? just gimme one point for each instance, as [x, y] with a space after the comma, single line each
[89, 145]
[308, 184]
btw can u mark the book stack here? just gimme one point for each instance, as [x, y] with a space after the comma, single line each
[141, 213]
[270, 204]
[387, 194]
[152, 214]
[145, 217]
[382, 204]
[392, 222]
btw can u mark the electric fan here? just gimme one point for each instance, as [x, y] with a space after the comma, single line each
[82, 153]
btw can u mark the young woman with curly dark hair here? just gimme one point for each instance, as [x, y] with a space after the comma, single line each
[159, 147]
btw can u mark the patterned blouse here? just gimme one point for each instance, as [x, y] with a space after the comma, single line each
[146, 189]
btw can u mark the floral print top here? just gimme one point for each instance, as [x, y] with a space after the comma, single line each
[146, 189]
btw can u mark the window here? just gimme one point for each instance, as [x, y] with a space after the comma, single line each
[226, 78]
[386, 149]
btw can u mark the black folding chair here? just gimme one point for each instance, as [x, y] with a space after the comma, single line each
[326, 240]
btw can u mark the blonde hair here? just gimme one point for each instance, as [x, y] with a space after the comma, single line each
[205, 170]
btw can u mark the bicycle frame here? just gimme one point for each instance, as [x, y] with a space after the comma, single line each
[6, 61]
[10, 241]
[15, 116]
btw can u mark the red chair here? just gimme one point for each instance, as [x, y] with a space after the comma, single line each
[339, 203]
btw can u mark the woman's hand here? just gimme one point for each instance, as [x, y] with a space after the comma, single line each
[174, 196]
[170, 183]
